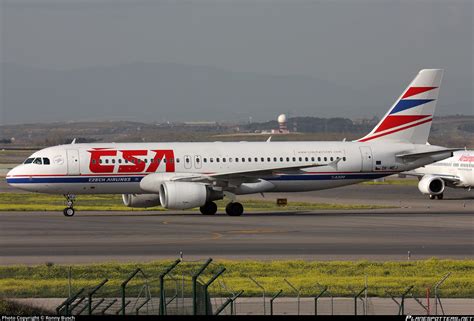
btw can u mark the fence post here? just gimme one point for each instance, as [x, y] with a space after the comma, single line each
[124, 284]
[162, 310]
[206, 286]
[355, 299]
[229, 301]
[263, 289]
[316, 300]
[273, 299]
[92, 292]
[436, 293]
[298, 291]
[194, 281]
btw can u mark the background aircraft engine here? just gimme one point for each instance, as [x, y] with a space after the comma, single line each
[431, 185]
[185, 195]
[141, 200]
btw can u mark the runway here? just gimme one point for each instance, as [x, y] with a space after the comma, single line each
[32, 238]
[426, 228]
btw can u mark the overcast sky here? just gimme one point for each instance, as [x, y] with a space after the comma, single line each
[365, 45]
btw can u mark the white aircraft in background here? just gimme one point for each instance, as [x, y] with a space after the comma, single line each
[456, 172]
[188, 175]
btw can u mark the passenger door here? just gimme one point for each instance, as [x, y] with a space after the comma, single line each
[367, 159]
[73, 166]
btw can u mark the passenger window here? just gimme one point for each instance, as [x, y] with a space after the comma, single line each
[164, 160]
[46, 161]
[269, 159]
[177, 160]
[187, 160]
[205, 160]
[287, 159]
[100, 161]
[217, 159]
[274, 159]
[113, 161]
[344, 159]
[94, 161]
[319, 159]
[262, 159]
[120, 161]
[312, 159]
[171, 160]
[250, 159]
[300, 159]
[223, 159]
[236, 160]
[294, 159]
[106, 161]
[211, 160]
[281, 159]
[306, 159]
[243, 160]
[325, 159]
[331, 159]
[256, 159]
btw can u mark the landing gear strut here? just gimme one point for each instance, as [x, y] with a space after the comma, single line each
[69, 210]
[234, 209]
[210, 208]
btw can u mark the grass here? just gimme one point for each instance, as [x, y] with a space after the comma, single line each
[343, 278]
[106, 202]
[10, 308]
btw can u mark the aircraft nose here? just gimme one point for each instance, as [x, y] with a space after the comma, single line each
[10, 175]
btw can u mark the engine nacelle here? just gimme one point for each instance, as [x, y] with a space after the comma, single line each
[431, 185]
[186, 195]
[141, 200]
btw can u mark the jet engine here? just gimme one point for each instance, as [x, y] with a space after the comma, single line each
[185, 195]
[141, 200]
[431, 185]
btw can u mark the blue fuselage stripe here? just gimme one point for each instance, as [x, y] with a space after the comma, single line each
[136, 179]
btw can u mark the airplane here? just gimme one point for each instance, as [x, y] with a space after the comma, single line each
[180, 176]
[455, 172]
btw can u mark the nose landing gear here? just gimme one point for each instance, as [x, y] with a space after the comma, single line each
[69, 210]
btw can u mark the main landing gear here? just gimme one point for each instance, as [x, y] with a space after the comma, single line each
[232, 209]
[439, 196]
[210, 208]
[69, 210]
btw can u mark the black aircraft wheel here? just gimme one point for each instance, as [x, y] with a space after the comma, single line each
[440, 196]
[234, 209]
[209, 208]
[432, 197]
[68, 211]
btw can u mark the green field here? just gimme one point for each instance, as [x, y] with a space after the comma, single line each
[342, 278]
[106, 202]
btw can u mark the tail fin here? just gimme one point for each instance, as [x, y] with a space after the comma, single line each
[409, 119]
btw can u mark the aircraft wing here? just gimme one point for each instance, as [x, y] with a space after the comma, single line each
[251, 175]
[448, 178]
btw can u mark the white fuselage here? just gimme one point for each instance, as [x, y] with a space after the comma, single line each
[119, 167]
[459, 167]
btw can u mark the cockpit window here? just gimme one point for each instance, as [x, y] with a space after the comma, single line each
[38, 161]
[46, 161]
[29, 161]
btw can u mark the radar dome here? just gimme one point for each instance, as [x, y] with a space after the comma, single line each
[282, 118]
